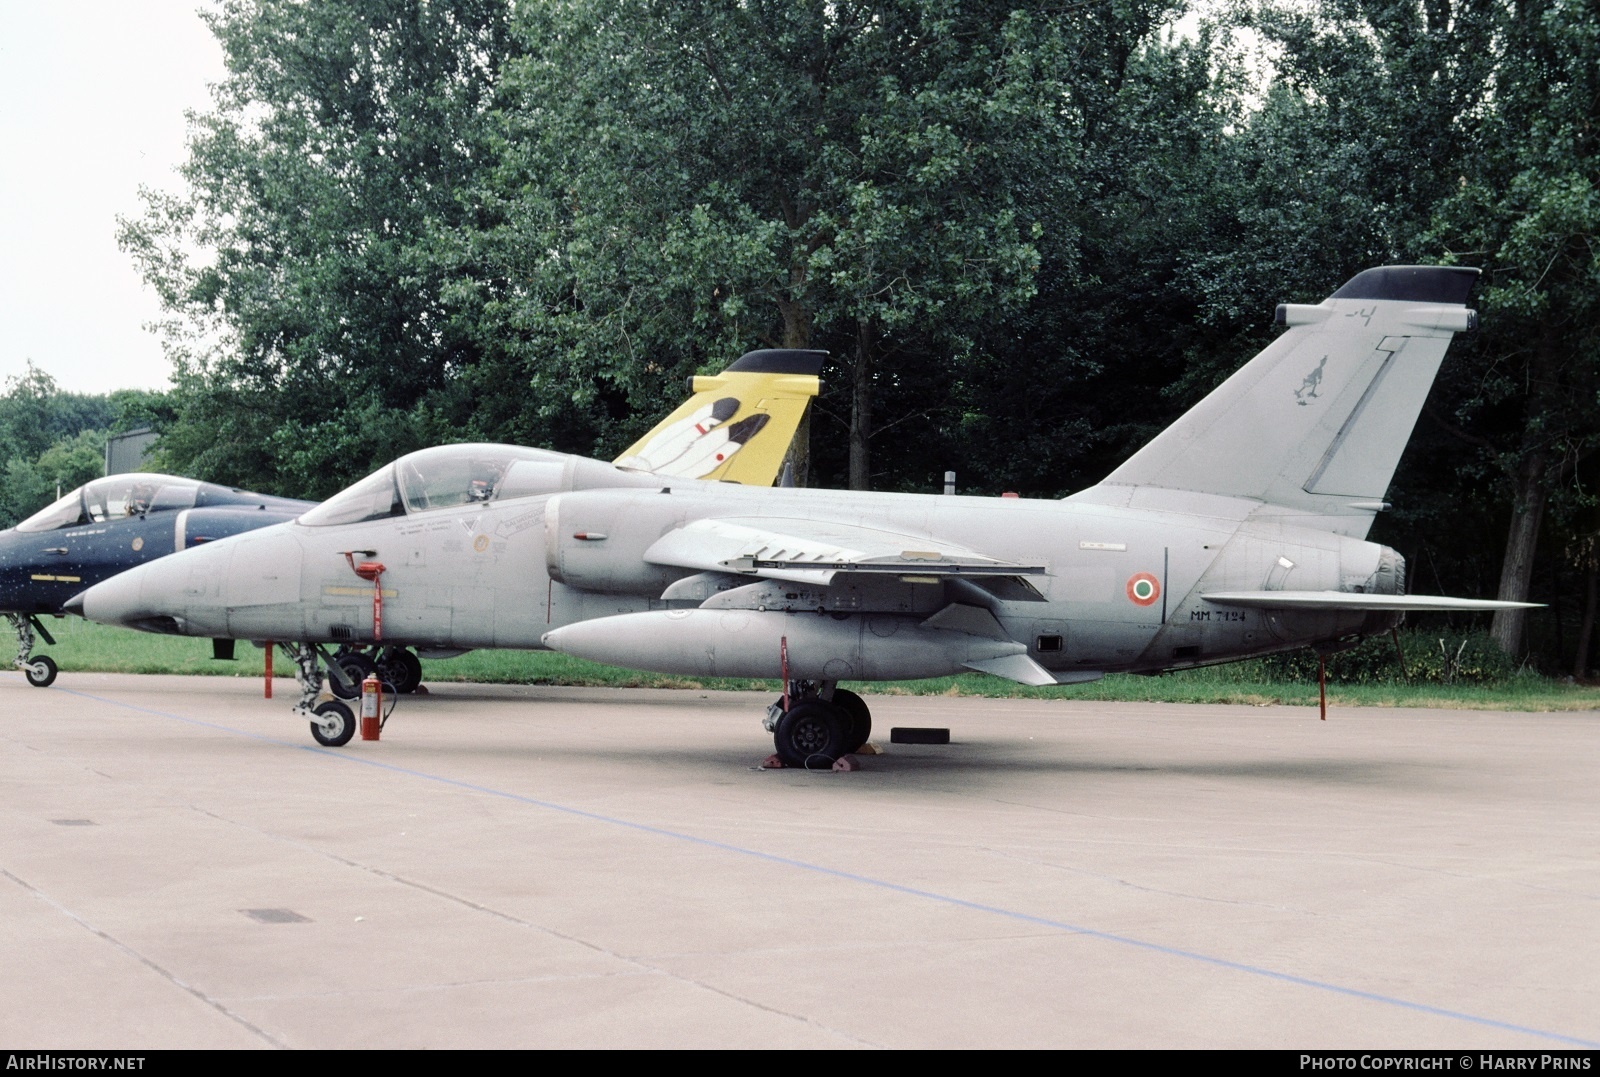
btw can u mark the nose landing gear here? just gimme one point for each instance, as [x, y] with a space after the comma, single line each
[332, 722]
[41, 670]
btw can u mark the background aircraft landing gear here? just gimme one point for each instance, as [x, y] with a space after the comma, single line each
[821, 724]
[39, 670]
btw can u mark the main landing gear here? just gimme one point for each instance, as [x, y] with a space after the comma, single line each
[39, 670]
[333, 723]
[395, 666]
[823, 722]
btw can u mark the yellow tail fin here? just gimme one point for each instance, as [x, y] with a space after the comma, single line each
[739, 426]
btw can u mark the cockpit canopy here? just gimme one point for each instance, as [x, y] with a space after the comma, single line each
[441, 478]
[115, 497]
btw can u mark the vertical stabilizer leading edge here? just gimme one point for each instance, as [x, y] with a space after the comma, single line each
[1315, 424]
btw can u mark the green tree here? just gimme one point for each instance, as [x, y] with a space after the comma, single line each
[1527, 209]
[35, 413]
[310, 336]
[1399, 130]
[686, 181]
[31, 484]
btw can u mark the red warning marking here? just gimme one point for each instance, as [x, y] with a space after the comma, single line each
[1143, 589]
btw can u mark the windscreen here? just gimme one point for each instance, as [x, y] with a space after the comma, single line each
[114, 497]
[373, 498]
[440, 478]
[463, 474]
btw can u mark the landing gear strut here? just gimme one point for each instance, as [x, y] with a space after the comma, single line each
[40, 671]
[823, 722]
[332, 723]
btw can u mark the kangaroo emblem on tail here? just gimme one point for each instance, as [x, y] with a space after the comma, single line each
[1308, 388]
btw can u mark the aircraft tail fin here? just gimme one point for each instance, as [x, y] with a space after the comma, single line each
[738, 426]
[1316, 422]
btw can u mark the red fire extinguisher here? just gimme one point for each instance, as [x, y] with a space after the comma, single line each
[371, 707]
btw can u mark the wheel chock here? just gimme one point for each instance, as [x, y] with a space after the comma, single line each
[846, 763]
[907, 734]
[772, 762]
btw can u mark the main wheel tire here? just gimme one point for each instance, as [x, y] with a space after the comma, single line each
[855, 708]
[334, 724]
[41, 671]
[400, 668]
[356, 666]
[812, 734]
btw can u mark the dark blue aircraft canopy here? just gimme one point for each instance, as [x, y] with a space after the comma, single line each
[440, 477]
[115, 497]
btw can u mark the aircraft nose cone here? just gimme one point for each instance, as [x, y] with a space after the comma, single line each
[75, 603]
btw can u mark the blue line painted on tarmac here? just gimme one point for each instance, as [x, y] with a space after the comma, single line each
[867, 880]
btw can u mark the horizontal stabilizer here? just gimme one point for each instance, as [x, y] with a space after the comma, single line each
[1349, 600]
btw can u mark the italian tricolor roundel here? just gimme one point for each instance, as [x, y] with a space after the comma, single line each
[1143, 589]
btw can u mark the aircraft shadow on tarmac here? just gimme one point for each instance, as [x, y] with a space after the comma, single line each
[961, 766]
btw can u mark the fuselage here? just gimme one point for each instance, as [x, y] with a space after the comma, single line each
[1122, 588]
[117, 523]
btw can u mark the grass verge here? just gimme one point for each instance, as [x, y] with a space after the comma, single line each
[82, 646]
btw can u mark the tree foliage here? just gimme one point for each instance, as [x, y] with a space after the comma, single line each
[313, 337]
[52, 440]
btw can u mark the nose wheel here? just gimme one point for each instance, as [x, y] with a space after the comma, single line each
[332, 724]
[40, 670]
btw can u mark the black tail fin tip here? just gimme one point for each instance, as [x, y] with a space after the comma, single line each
[1411, 284]
[779, 361]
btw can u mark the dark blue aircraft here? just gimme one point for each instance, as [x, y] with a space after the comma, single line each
[106, 527]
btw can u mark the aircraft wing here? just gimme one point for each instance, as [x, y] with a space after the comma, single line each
[813, 552]
[739, 426]
[1347, 600]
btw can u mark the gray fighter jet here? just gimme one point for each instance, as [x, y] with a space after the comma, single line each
[1238, 531]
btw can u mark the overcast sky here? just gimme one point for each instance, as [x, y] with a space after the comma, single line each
[92, 96]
